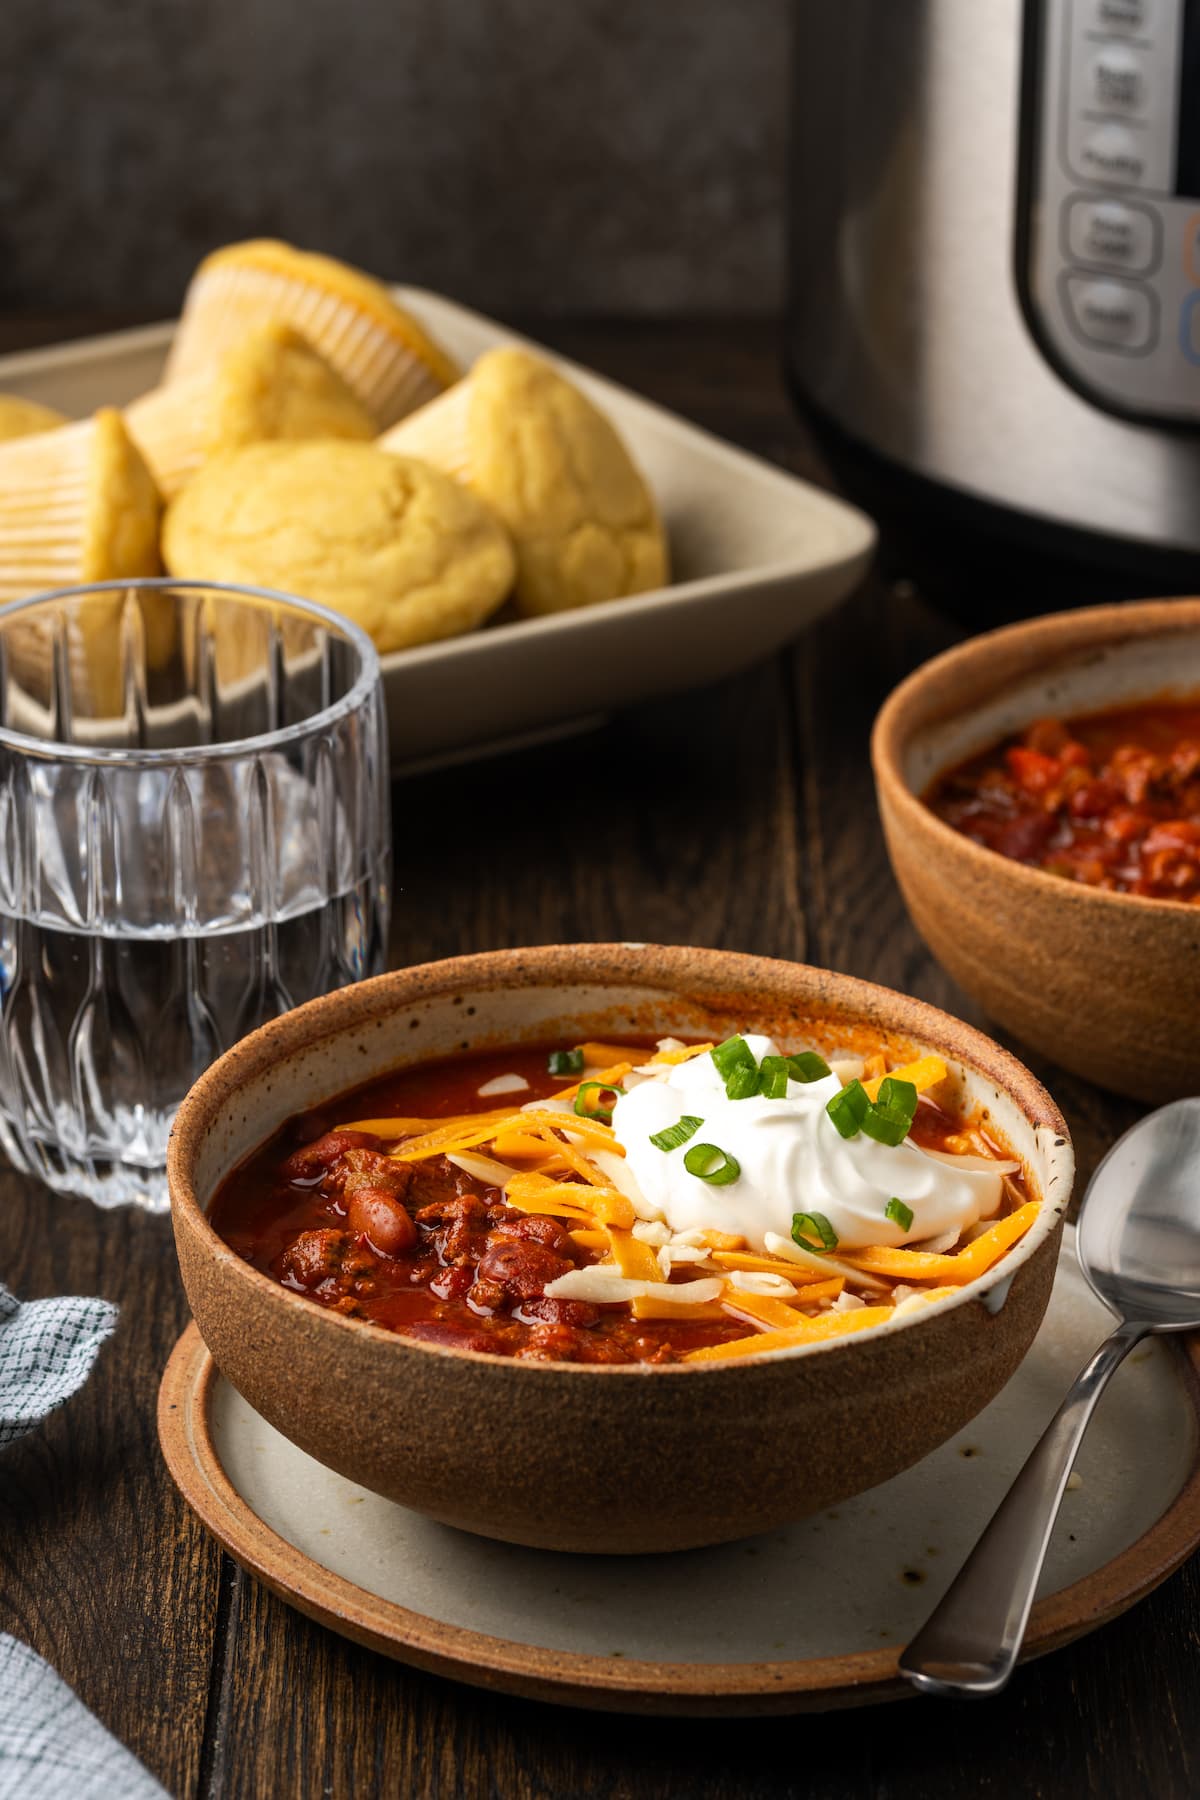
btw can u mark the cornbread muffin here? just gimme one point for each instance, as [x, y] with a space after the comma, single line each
[78, 504]
[396, 546]
[378, 349]
[21, 418]
[551, 466]
[270, 385]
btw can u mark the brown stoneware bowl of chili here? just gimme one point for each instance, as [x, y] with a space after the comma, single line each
[371, 1286]
[1040, 794]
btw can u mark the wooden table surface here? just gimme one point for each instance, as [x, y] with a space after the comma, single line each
[751, 825]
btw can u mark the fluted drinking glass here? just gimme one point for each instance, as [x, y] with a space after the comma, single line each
[194, 837]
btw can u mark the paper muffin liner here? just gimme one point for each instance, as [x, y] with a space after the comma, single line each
[171, 427]
[439, 433]
[76, 505]
[391, 370]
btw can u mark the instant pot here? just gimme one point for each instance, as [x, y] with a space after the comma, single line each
[994, 319]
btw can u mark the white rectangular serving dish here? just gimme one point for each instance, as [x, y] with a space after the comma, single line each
[756, 554]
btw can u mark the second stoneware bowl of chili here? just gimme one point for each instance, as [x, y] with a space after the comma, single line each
[1070, 746]
[605, 1452]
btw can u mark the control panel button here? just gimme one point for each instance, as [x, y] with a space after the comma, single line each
[1113, 153]
[1189, 328]
[1119, 315]
[1112, 234]
[1116, 80]
[1121, 15]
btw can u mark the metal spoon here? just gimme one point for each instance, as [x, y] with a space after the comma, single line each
[1138, 1243]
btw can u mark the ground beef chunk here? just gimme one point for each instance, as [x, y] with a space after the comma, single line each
[461, 1227]
[315, 1257]
[539, 1228]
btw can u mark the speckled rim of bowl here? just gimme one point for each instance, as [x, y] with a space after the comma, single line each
[606, 1683]
[1015, 649]
[628, 965]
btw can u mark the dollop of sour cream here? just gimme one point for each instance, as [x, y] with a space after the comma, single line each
[793, 1159]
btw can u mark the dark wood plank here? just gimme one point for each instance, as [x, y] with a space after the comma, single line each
[743, 816]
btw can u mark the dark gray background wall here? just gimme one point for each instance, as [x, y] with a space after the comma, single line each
[573, 156]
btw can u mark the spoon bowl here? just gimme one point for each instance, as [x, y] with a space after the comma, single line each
[1138, 1239]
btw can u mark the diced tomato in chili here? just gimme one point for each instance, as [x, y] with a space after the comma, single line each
[1111, 801]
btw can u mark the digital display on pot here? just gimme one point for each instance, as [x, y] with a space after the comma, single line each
[1187, 161]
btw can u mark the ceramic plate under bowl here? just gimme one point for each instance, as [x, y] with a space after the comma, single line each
[756, 556]
[800, 1619]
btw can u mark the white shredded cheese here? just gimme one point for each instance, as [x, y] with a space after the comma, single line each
[938, 1246]
[761, 1281]
[987, 1165]
[820, 1265]
[651, 1231]
[917, 1300]
[502, 1084]
[604, 1285]
[674, 1253]
[483, 1168]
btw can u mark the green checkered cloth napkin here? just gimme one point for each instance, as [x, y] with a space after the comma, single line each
[51, 1746]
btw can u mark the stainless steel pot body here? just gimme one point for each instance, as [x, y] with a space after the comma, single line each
[926, 254]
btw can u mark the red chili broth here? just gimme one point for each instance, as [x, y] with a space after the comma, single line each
[263, 1210]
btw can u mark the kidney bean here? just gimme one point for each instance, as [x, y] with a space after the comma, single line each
[319, 1157]
[521, 1268]
[382, 1220]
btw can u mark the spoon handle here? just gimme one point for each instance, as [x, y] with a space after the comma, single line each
[970, 1641]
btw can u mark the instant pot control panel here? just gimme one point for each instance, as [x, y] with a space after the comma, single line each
[1108, 252]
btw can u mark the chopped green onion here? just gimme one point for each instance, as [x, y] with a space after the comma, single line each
[711, 1164]
[772, 1083]
[742, 1083]
[565, 1062]
[584, 1107]
[903, 1215]
[886, 1124]
[674, 1135]
[734, 1053]
[848, 1108]
[812, 1231]
[775, 1072]
[807, 1066]
[899, 1094]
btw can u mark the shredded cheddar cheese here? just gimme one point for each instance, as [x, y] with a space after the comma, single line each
[806, 1331]
[547, 1159]
[924, 1074]
[963, 1266]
